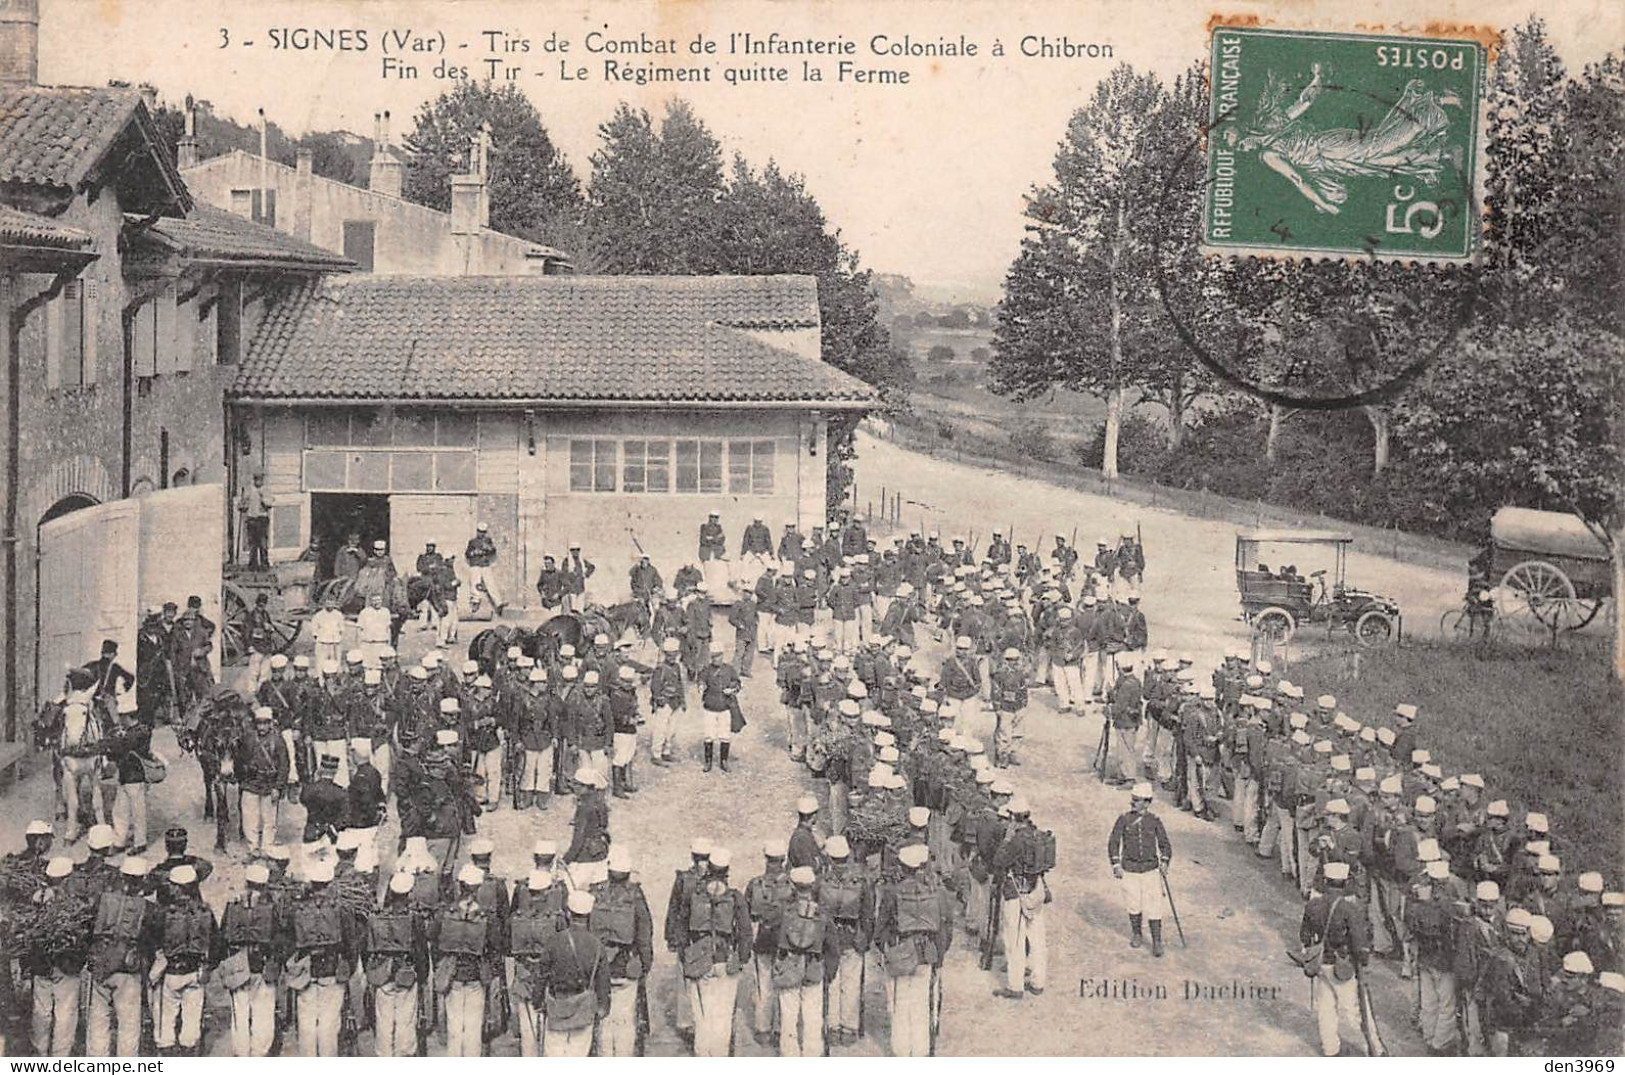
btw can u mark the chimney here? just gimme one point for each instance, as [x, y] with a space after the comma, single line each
[19, 42]
[470, 192]
[483, 170]
[387, 173]
[186, 147]
[303, 193]
[467, 194]
[149, 96]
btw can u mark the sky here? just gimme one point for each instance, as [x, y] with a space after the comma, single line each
[925, 179]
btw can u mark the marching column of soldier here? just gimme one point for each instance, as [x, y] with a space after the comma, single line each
[920, 833]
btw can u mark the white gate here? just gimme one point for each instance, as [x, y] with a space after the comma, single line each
[88, 567]
[100, 567]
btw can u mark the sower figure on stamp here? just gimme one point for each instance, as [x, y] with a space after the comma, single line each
[1139, 851]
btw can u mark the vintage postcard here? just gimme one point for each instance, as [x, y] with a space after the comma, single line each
[629, 528]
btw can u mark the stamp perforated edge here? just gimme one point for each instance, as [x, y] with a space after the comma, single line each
[1489, 43]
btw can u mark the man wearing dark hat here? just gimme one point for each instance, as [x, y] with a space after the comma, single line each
[176, 856]
[327, 807]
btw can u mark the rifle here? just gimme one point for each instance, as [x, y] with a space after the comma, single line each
[934, 1005]
[1168, 892]
[1103, 749]
[1368, 1017]
[990, 934]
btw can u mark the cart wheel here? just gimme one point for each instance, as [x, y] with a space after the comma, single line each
[1374, 628]
[1540, 592]
[284, 631]
[1276, 624]
[233, 618]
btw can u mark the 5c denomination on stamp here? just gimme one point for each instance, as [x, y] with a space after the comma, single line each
[1343, 144]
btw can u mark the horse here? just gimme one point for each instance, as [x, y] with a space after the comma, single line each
[80, 727]
[542, 644]
[211, 734]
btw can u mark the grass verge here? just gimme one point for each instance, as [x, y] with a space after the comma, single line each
[1543, 727]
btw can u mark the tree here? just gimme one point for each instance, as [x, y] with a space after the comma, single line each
[653, 197]
[1532, 416]
[1077, 309]
[532, 188]
[940, 353]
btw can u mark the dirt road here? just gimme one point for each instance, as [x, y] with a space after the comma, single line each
[1237, 917]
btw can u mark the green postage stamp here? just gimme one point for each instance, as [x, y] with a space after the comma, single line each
[1343, 144]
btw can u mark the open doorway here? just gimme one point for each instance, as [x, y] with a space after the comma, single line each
[335, 516]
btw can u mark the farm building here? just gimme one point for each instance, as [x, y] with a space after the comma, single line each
[126, 307]
[374, 227]
[610, 411]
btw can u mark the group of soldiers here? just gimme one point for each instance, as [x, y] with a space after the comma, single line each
[311, 959]
[1510, 953]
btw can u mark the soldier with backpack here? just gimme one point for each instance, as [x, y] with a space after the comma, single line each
[395, 957]
[717, 942]
[803, 965]
[913, 928]
[621, 921]
[1020, 862]
[766, 897]
[847, 897]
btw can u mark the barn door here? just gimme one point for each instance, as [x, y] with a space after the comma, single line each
[88, 571]
[183, 544]
[415, 519]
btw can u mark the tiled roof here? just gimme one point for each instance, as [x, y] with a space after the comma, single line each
[209, 234]
[26, 229]
[54, 136]
[543, 338]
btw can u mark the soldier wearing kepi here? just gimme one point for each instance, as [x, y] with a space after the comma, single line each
[1022, 859]
[127, 931]
[914, 927]
[766, 896]
[577, 982]
[806, 960]
[1334, 921]
[847, 897]
[395, 956]
[1139, 851]
[324, 947]
[621, 921]
[56, 965]
[250, 933]
[683, 887]
[466, 959]
[717, 946]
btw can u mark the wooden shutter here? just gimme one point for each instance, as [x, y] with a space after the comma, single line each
[90, 326]
[53, 342]
[178, 343]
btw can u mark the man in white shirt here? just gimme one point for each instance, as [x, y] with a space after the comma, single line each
[374, 624]
[327, 628]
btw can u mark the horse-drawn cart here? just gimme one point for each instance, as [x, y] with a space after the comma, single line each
[288, 586]
[1552, 571]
